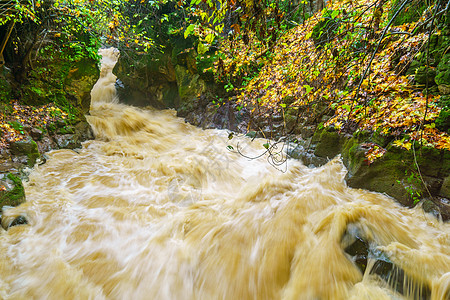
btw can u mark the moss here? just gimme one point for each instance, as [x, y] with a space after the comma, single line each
[384, 175]
[411, 13]
[26, 148]
[14, 197]
[353, 156]
[66, 130]
[424, 75]
[329, 144]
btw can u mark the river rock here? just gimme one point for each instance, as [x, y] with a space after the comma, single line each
[329, 143]
[20, 220]
[26, 149]
[438, 207]
[36, 134]
[395, 173]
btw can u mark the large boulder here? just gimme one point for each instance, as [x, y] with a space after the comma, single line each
[396, 172]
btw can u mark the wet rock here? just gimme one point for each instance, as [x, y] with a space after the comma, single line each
[12, 192]
[20, 220]
[7, 165]
[328, 145]
[69, 141]
[84, 131]
[395, 173]
[36, 134]
[81, 132]
[307, 131]
[46, 144]
[306, 156]
[438, 207]
[364, 252]
[190, 85]
[26, 148]
[358, 251]
[433, 184]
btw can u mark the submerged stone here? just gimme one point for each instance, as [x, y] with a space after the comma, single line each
[20, 220]
[368, 258]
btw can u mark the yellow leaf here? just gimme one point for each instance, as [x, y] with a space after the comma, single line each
[407, 146]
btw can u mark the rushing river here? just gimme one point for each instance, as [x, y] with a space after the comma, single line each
[154, 208]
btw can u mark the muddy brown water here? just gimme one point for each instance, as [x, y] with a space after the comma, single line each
[154, 208]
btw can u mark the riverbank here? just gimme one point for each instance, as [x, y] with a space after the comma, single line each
[27, 133]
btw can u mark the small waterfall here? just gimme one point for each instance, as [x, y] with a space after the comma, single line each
[104, 90]
[155, 208]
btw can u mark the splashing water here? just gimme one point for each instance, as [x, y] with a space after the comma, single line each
[154, 208]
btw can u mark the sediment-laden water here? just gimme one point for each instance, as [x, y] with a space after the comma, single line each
[154, 208]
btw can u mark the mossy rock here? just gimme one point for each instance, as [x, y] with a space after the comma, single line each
[442, 78]
[443, 121]
[353, 156]
[27, 148]
[329, 143]
[384, 175]
[424, 75]
[413, 66]
[14, 196]
[445, 188]
[190, 85]
[395, 173]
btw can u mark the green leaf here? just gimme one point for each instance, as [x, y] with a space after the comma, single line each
[202, 49]
[346, 107]
[266, 145]
[229, 147]
[334, 14]
[308, 88]
[188, 30]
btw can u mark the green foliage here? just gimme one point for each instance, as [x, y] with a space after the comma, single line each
[327, 28]
[411, 13]
[17, 126]
[412, 182]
